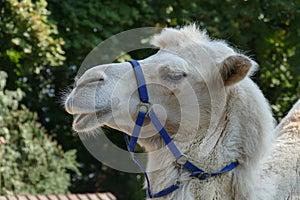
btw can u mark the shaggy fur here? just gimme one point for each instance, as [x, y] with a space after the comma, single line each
[202, 92]
[281, 171]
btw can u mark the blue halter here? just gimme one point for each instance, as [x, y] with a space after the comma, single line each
[180, 159]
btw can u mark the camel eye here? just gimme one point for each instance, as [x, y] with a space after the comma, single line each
[172, 75]
[176, 76]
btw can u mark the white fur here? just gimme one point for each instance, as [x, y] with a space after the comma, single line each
[235, 122]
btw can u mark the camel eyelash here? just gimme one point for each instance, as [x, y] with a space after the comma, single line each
[176, 75]
[167, 74]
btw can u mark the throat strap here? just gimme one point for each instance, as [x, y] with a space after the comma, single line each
[181, 160]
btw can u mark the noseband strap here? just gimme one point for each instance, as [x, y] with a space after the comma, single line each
[180, 159]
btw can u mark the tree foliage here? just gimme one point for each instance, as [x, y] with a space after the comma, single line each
[31, 162]
[268, 31]
[42, 45]
[28, 45]
[30, 49]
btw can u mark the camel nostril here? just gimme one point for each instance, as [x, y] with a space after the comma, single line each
[101, 77]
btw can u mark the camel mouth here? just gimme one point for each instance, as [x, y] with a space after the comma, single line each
[85, 122]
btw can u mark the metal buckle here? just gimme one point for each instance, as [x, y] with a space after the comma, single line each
[177, 182]
[144, 107]
[181, 160]
[204, 175]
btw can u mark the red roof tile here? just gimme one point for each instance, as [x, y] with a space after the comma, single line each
[12, 197]
[111, 196]
[104, 197]
[21, 197]
[88, 196]
[82, 197]
[73, 197]
[31, 197]
[62, 197]
[52, 197]
[92, 196]
[40, 197]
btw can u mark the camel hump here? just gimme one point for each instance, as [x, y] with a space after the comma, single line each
[291, 123]
[285, 160]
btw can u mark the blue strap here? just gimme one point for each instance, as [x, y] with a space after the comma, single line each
[165, 136]
[131, 143]
[204, 175]
[192, 168]
[226, 168]
[140, 81]
[166, 191]
[136, 131]
[148, 191]
[144, 98]
[196, 171]
[140, 166]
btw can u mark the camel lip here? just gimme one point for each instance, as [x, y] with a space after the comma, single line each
[79, 117]
[89, 121]
[98, 113]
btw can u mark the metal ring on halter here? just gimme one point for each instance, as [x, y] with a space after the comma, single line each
[144, 107]
[204, 175]
[181, 160]
[177, 182]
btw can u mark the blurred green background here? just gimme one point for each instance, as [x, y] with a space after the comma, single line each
[43, 43]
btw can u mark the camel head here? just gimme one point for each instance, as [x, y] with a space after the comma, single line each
[201, 93]
[187, 82]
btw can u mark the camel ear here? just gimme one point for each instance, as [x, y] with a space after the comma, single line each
[234, 69]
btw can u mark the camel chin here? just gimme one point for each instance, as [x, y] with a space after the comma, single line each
[88, 122]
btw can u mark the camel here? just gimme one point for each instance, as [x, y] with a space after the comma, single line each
[202, 93]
